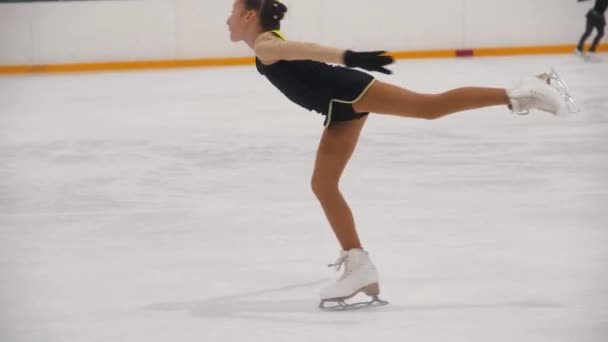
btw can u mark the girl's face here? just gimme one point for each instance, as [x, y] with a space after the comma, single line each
[240, 21]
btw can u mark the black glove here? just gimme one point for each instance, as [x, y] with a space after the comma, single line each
[372, 61]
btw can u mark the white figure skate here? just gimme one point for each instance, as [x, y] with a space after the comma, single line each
[557, 82]
[590, 57]
[547, 92]
[360, 275]
[593, 57]
[580, 54]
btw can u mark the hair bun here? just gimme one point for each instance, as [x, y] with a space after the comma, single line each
[278, 10]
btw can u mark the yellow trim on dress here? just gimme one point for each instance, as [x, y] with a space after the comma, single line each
[331, 103]
[279, 33]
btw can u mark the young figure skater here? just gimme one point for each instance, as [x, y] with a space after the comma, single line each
[345, 97]
[596, 19]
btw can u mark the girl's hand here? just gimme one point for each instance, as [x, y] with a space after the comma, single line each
[372, 61]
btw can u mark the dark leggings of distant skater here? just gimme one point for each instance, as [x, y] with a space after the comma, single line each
[595, 20]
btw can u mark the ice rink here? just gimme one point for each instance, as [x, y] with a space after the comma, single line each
[176, 206]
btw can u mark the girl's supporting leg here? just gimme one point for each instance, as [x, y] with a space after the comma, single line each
[335, 149]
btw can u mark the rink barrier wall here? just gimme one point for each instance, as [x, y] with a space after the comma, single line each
[239, 61]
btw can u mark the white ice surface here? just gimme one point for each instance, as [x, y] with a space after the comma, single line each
[175, 206]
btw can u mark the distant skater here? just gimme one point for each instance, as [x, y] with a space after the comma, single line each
[596, 19]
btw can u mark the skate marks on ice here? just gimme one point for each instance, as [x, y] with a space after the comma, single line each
[245, 306]
[596, 107]
[522, 305]
[305, 311]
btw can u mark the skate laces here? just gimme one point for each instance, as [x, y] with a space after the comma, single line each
[337, 265]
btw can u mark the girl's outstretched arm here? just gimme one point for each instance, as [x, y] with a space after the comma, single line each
[271, 49]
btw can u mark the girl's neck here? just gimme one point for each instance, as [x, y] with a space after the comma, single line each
[252, 36]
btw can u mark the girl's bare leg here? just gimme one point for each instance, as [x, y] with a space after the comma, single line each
[384, 98]
[335, 149]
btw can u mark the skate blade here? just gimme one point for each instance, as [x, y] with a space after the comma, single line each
[557, 82]
[342, 305]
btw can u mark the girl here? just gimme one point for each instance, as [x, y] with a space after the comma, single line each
[595, 19]
[345, 97]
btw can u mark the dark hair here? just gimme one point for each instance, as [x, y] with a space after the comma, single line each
[270, 12]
